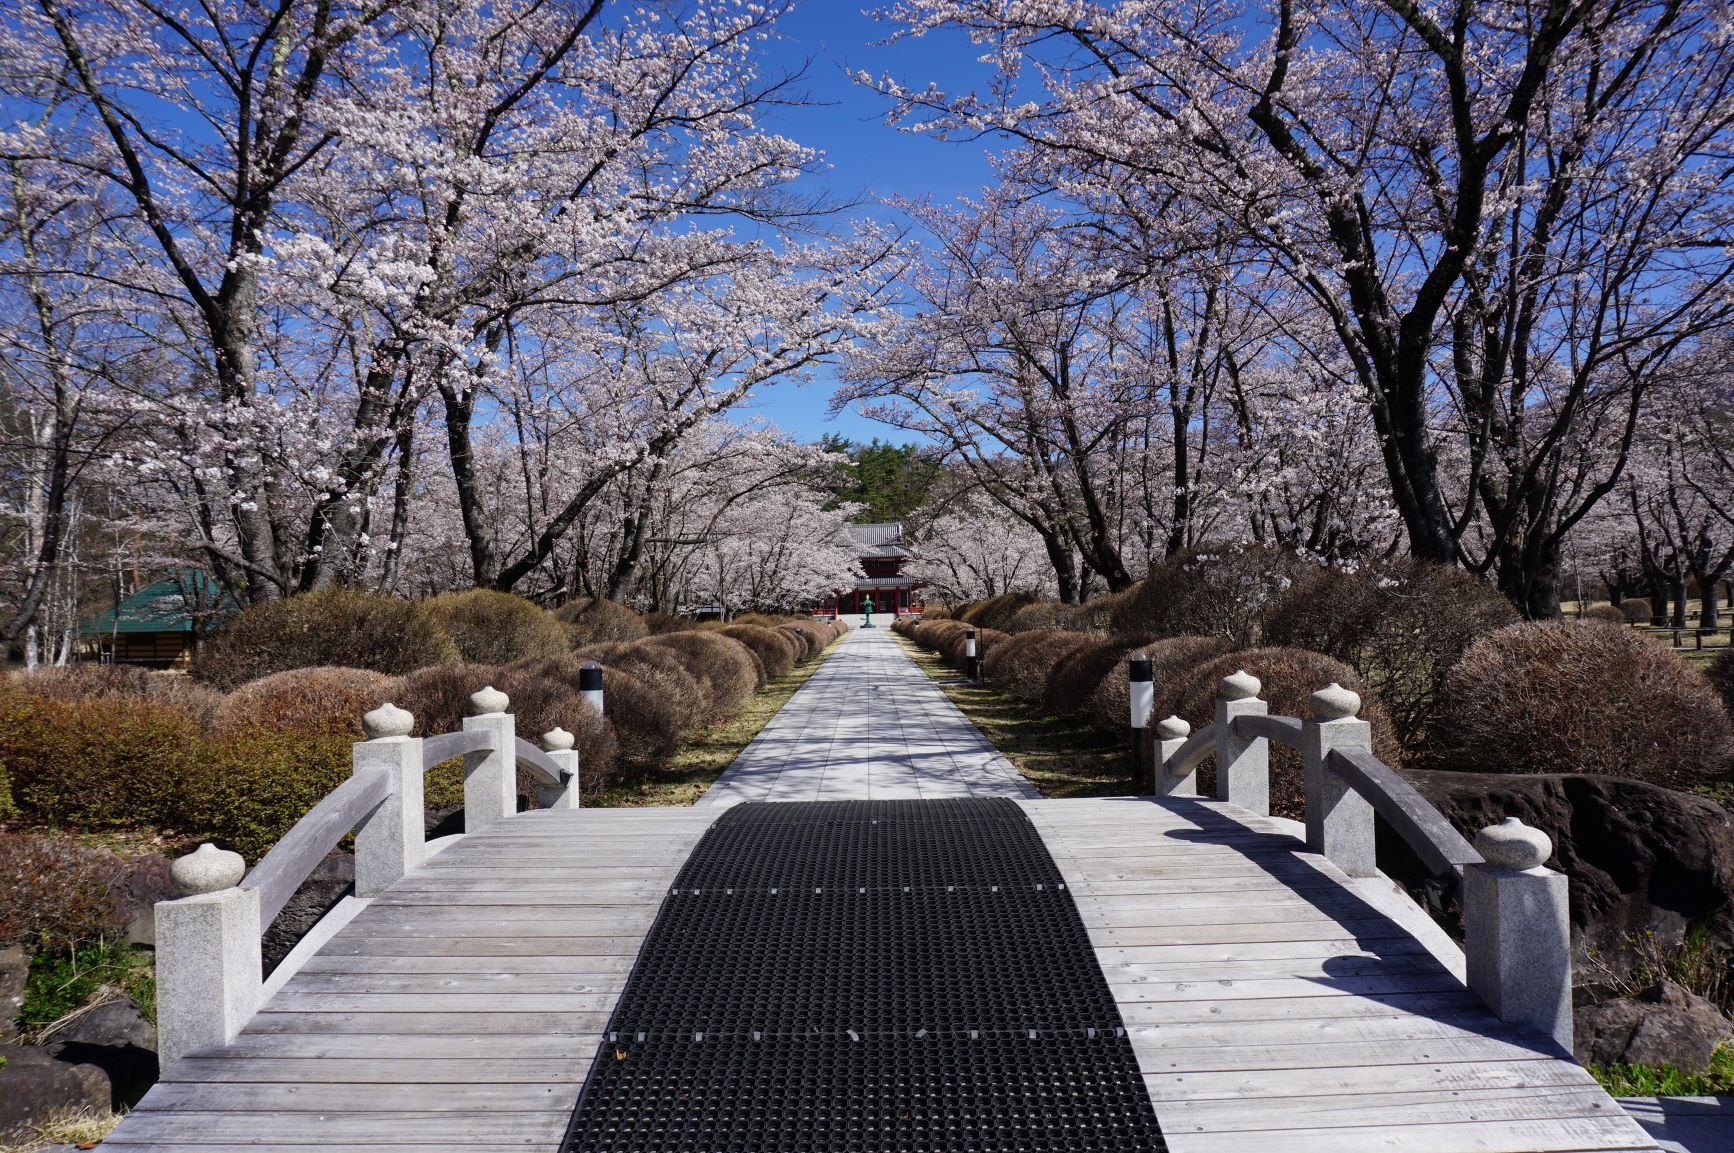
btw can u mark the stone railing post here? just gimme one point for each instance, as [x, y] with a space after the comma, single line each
[1339, 820]
[1242, 767]
[392, 840]
[208, 957]
[1517, 930]
[1171, 733]
[559, 744]
[491, 775]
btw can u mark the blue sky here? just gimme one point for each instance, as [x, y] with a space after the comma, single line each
[868, 158]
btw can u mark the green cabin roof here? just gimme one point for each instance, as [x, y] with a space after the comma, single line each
[160, 607]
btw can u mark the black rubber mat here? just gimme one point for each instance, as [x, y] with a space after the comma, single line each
[859, 976]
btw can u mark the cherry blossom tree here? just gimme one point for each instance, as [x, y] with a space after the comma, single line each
[1510, 218]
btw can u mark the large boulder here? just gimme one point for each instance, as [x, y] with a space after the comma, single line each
[14, 972]
[1662, 1025]
[145, 882]
[117, 1038]
[1642, 858]
[34, 1086]
[331, 880]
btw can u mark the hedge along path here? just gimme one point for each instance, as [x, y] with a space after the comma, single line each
[870, 725]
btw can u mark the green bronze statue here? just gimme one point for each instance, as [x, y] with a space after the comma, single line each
[867, 607]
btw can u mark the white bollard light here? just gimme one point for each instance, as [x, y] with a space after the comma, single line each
[590, 685]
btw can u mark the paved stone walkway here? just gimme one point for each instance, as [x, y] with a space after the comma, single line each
[868, 725]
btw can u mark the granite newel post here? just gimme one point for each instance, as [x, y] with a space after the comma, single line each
[1339, 820]
[490, 775]
[1242, 766]
[208, 958]
[1517, 930]
[392, 839]
[558, 742]
[1171, 735]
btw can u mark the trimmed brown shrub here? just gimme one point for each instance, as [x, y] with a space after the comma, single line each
[494, 627]
[937, 612]
[83, 682]
[1214, 591]
[593, 619]
[659, 623]
[764, 620]
[1172, 661]
[250, 786]
[195, 698]
[439, 699]
[1043, 615]
[105, 762]
[1402, 626]
[123, 762]
[1721, 676]
[322, 700]
[1080, 672]
[774, 647]
[56, 894]
[928, 633]
[1096, 615]
[1609, 614]
[1023, 664]
[1637, 610]
[1567, 697]
[1289, 677]
[812, 639]
[996, 612]
[94, 682]
[664, 672]
[339, 626]
[724, 665]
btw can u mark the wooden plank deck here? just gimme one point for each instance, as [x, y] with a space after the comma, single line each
[459, 1010]
[1274, 1003]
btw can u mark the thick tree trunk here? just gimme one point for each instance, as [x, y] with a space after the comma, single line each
[462, 454]
[1679, 594]
[1708, 615]
[1529, 576]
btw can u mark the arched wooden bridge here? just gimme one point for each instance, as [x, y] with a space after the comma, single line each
[1272, 989]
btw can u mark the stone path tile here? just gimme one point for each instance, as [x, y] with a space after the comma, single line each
[868, 725]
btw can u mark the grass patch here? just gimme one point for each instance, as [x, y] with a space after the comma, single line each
[1060, 757]
[61, 982]
[1667, 1081]
[701, 758]
[83, 1129]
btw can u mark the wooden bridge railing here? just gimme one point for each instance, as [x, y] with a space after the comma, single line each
[209, 981]
[1517, 934]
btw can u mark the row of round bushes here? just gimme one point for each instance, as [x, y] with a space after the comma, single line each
[1448, 679]
[351, 628]
[111, 747]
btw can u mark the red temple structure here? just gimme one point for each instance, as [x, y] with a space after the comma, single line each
[883, 557]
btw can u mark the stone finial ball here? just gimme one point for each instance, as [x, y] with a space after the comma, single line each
[558, 740]
[1511, 844]
[1172, 729]
[1334, 703]
[206, 870]
[1239, 686]
[387, 721]
[488, 700]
